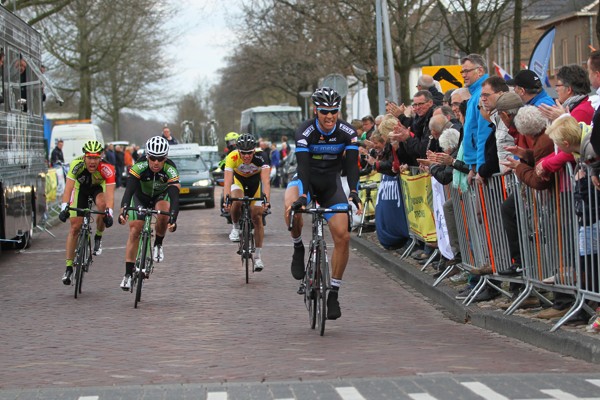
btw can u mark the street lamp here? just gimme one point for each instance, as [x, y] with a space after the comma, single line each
[305, 95]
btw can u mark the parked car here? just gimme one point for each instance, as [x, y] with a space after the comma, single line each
[197, 185]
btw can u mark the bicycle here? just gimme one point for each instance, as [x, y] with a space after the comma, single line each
[316, 282]
[83, 251]
[144, 262]
[246, 247]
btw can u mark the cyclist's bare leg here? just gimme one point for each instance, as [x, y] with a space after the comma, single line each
[259, 229]
[101, 206]
[135, 229]
[162, 221]
[338, 226]
[291, 195]
[236, 207]
[76, 223]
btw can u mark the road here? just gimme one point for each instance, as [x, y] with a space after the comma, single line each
[199, 323]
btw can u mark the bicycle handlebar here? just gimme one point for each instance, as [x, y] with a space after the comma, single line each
[86, 210]
[247, 199]
[143, 210]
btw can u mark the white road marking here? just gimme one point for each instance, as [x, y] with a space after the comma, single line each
[349, 393]
[482, 390]
[88, 398]
[216, 396]
[421, 396]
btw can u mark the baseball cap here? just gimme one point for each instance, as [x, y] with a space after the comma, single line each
[527, 79]
[508, 101]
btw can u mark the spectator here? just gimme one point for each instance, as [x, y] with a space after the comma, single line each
[368, 127]
[572, 86]
[593, 65]
[275, 162]
[119, 165]
[167, 135]
[57, 158]
[450, 116]
[426, 82]
[109, 154]
[265, 148]
[529, 88]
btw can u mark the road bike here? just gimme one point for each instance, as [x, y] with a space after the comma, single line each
[187, 136]
[246, 246]
[83, 251]
[144, 261]
[317, 283]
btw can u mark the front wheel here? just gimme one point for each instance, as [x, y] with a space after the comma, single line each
[144, 254]
[246, 249]
[79, 262]
[321, 287]
[310, 292]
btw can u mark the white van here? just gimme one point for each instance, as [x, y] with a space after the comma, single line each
[74, 137]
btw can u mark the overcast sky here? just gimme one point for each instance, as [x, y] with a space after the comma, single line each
[207, 40]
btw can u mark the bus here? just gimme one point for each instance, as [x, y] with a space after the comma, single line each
[271, 122]
[23, 151]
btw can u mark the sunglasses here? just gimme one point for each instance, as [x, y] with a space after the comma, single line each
[324, 111]
[154, 158]
[246, 152]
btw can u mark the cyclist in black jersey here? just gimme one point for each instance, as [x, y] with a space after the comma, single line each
[153, 182]
[324, 145]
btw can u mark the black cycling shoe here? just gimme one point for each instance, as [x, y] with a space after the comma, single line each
[333, 306]
[66, 279]
[298, 263]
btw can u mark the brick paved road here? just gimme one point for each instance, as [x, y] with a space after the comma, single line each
[200, 323]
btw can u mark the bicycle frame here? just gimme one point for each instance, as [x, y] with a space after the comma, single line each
[246, 247]
[317, 282]
[144, 262]
[83, 251]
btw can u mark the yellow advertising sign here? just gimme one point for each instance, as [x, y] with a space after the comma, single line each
[448, 76]
[418, 201]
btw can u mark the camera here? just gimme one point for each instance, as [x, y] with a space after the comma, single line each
[367, 185]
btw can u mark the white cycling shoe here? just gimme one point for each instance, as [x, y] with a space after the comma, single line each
[258, 265]
[234, 236]
[126, 282]
[158, 254]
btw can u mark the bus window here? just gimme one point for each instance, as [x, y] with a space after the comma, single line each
[2, 75]
[17, 77]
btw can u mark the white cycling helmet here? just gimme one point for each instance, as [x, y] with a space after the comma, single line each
[157, 146]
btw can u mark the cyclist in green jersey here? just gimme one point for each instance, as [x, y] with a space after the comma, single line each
[153, 182]
[88, 175]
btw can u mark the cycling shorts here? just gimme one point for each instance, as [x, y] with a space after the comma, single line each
[250, 190]
[79, 198]
[145, 202]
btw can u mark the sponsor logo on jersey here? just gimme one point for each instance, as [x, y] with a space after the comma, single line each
[308, 131]
[327, 148]
[106, 171]
[301, 142]
[347, 129]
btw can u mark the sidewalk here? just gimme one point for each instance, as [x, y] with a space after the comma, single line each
[571, 341]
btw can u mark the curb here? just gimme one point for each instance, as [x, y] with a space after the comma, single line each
[524, 329]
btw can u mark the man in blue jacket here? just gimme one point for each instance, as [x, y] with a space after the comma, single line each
[529, 88]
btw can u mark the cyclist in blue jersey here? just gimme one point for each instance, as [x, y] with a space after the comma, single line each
[325, 145]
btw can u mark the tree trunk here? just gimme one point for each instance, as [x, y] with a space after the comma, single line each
[517, 25]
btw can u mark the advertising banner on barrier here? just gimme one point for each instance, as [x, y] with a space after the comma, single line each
[51, 186]
[439, 198]
[419, 205]
[391, 224]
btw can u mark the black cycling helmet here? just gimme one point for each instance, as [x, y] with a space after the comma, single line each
[246, 142]
[326, 97]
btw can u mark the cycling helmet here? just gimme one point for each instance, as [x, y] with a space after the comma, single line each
[157, 146]
[326, 97]
[92, 147]
[231, 136]
[246, 142]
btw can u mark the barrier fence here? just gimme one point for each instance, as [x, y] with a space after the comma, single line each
[557, 234]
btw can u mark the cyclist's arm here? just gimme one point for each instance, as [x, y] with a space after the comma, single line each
[173, 191]
[133, 185]
[110, 195]
[69, 185]
[227, 182]
[352, 167]
[265, 178]
[303, 169]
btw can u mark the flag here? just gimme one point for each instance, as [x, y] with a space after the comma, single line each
[540, 57]
[501, 72]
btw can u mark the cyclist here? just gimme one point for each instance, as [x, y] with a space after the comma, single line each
[247, 173]
[153, 182]
[325, 145]
[89, 175]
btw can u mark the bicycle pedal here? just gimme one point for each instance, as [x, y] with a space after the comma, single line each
[301, 289]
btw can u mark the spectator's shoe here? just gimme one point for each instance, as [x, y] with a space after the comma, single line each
[463, 294]
[158, 254]
[530, 302]
[594, 327]
[258, 265]
[551, 313]
[486, 294]
[234, 236]
[333, 306]
[453, 272]
[459, 278]
[514, 270]
[298, 262]
[483, 270]
[66, 279]
[126, 283]
[97, 246]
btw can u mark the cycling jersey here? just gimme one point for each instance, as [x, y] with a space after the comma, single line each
[88, 183]
[154, 183]
[321, 155]
[245, 174]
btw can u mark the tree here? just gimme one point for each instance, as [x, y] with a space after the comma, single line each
[474, 24]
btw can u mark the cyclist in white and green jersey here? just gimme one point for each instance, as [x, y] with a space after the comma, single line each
[153, 182]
